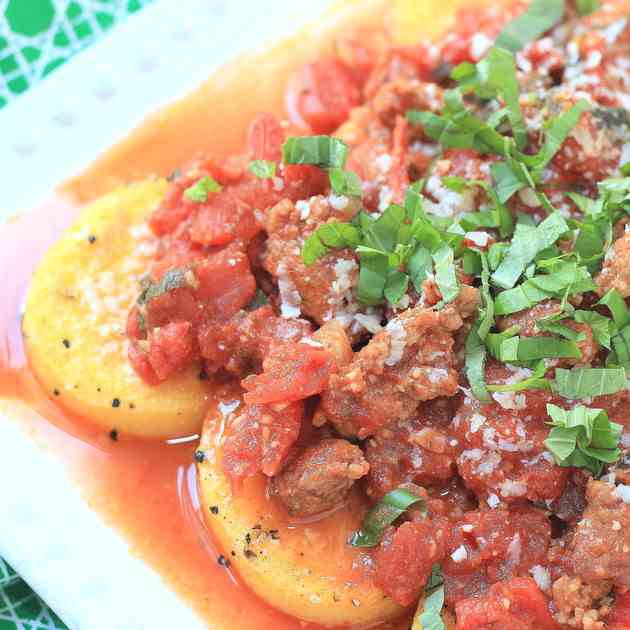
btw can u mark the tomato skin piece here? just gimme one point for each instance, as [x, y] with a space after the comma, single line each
[321, 95]
[259, 439]
[265, 138]
[291, 372]
[405, 557]
[225, 283]
[223, 219]
[171, 348]
[302, 181]
[515, 605]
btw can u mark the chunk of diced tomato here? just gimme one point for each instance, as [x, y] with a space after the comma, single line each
[260, 439]
[226, 283]
[171, 348]
[515, 605]
[292, 371]
[222, 219]
[322, 95]
[405, 558]
[265, 138]
[620, 618]
[302, 181]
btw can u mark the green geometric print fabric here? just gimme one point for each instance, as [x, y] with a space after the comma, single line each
[20, 607]
[37, 36]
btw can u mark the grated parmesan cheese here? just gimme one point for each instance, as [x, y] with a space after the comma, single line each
[623, 492]
[493, 501]
[289, 295]
[397, 340]
[460, 554]
[541, 577]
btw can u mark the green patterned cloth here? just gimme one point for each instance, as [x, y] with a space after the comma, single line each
[20, 607]
[37, 36]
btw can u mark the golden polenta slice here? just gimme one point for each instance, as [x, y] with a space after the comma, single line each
[76, 311]
[308, 571]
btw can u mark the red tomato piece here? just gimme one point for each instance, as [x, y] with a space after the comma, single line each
[260, 438]
[405, 558]
[620, 618]
[171, 348]
[515, 605]
[173, 306]
[222, 219]
[265, 138]
[226, 283]
[291, 372]
[322, 95]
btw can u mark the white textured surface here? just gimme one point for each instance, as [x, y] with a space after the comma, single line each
[47, 532]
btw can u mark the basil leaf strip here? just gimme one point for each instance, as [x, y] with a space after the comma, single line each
[526, 244]
[198, 192]
[589, 382]
[445, 275]
[334, 235]
[586, 7]
[583, 438]
[615, 303]
[263, 169]
[428, 616]
[322, 151]
[345, 182]
[540, 16]
[384, 513]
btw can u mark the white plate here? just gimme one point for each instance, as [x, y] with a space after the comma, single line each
[80, 566]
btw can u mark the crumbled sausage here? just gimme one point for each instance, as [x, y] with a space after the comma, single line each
[410, 361]
[320, 478]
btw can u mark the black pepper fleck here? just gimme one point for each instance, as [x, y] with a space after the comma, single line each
[132, 406]
[203, 375]
[223, 561]
[113, 435]
[200, 456]
[214, 509]
[249, 554]
[275, 535]
[66, 343]
[91, 239]
[116, 402]
[56, 392]
[233, 553]
[248, 538]
[98, 389]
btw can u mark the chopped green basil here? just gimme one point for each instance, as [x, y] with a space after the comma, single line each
[615, 303]
[540, 16]
[589, 382]
[198, 192]
[345, 182]
[586, 7]
[445, 274]
[537, 380]
[526, 244]
[429, 613]
[322, 151]
[334, 235]
[583, 438]
[262, 168]
[393, 505]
